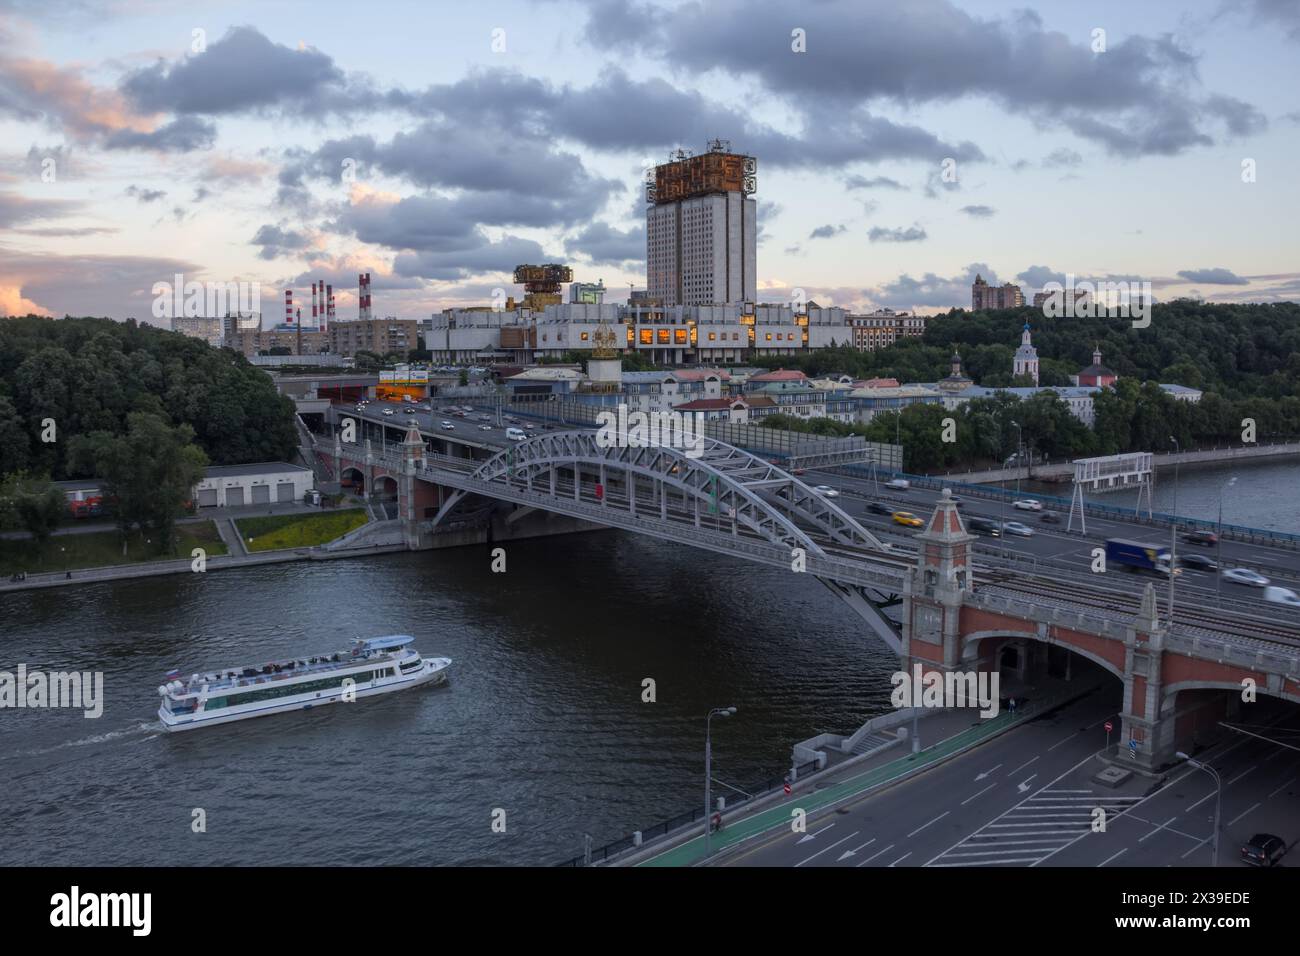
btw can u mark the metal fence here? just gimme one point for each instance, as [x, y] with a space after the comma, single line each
[682, 821]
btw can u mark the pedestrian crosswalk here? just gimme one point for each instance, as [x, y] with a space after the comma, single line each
[1034, 829]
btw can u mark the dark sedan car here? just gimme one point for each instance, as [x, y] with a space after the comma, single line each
[876, 508]
[1196, 562]
[1205, 538]
[1263, 849]
[1050, 517]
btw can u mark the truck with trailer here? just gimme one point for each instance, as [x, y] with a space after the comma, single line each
[1138, 556]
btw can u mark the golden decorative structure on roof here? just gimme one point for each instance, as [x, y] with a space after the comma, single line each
[604, 342]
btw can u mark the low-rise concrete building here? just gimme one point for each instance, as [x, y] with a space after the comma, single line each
[233, 486]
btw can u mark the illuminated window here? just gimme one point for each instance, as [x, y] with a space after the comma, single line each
[663, 336]
[584, 336]
[679, 336]
[712, 336]
[769, 336]
[647, 337]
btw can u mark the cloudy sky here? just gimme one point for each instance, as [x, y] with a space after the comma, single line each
[438, 145]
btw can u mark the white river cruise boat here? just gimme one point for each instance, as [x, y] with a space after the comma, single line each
[378, 665]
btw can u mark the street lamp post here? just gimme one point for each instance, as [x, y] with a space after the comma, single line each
[708, 773]
[1218, 545]
[1218, 797]
[1173, 535]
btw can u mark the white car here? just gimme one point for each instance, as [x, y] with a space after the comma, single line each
[1028, 504]
[1245, 576]
[485, 428]
[388, 411]
[899, 484]
[826, 491]
[1276, 595]
[448, 427]
[1015, 527]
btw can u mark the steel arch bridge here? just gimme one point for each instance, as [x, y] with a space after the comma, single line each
[713, 496]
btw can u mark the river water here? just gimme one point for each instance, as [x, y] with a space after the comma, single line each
[543, 717]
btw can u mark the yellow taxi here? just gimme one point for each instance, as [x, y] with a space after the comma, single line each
[907, 518]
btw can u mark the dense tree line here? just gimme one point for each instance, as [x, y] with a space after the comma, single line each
[1245, 358]
[89, 376]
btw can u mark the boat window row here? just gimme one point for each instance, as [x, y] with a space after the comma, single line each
[290, 690]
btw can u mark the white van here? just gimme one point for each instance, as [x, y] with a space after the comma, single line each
[516, 434]
[899, 484]
[1278, 595]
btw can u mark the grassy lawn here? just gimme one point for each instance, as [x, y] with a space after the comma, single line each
[68, 552]
[275, 532]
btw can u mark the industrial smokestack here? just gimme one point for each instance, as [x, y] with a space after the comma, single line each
[288, 307]
[329, 304]
[313, 303]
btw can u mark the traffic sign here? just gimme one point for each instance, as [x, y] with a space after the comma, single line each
[787, 790]
[600, 491]
[1133, 746]
[1109, 727]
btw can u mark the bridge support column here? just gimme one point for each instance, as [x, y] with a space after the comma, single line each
[1147, 736]
[939, 585]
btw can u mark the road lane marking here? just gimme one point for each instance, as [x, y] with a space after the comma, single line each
[1279, 789]
[876, 854]
[1064, 740]
[1023, 786]
[1021, 767]
[901, 858]
[1253, 766]
[924, 825]
[848, 853]
[985, 790]
[1157, 829]
[813, 836]
[1198, 846]
[831, 847]
[1253, 806]
[1112, 856]
[981, 776]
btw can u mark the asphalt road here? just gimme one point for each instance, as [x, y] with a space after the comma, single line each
[1074, 550]
[1026, 798]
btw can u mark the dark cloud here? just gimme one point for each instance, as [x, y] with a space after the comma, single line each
[827, 231]
[510, 178]
[146, 195]
[1058, 158]
[932, 291]
[245, 71]
[860, 51]
[484, 255]
[277, 241]
[115, 286]
[605, 245]
[978, 212]
[1038, 276]
[877, 182]
[181, 135]
[620, 113]
[1213, 276]
[16, 209]
[1276, 13]
[881, 234]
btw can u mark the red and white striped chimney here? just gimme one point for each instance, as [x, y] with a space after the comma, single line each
[329, 304]
[288, 307]
[313, 303]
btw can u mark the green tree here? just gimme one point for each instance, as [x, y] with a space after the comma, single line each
[149, 473]
[33, 504]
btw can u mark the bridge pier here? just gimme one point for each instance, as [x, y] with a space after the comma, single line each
[932, 634]
[1147, 737]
